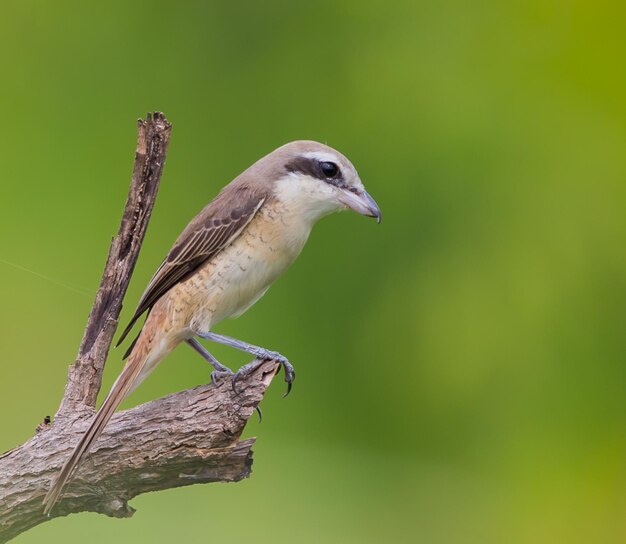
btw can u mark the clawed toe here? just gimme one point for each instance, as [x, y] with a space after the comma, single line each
[290, 375]
[218, 375]
[245, 369]
[259, 352]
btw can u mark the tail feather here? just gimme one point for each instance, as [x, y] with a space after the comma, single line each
[127, 380]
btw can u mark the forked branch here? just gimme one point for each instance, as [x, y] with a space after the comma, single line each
[185, 438]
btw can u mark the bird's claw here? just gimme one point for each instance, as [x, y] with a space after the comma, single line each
[218, 375]
[266, 355]
[290, 373]
[245, 369]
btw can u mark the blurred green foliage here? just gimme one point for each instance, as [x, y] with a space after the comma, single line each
[461, 367]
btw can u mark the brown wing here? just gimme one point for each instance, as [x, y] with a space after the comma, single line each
[213, 229]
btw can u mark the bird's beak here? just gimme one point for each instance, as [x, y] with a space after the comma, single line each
[361, 202]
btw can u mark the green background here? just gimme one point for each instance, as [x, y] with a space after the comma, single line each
[461, 367]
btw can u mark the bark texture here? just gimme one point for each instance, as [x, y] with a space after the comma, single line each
[185, 438]
[85, 375]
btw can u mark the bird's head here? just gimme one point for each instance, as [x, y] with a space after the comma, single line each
[315, 180]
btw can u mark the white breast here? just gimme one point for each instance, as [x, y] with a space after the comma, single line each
[244, 271]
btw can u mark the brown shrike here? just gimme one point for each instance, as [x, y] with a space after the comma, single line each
[225, 260]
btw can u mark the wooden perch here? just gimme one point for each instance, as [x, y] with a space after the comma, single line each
[185, 438]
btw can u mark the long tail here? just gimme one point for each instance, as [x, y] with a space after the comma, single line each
[138, 366]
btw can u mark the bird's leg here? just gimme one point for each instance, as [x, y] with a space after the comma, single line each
[220, 369]
[258, 352]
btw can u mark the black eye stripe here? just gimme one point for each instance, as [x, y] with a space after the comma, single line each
[315, 168]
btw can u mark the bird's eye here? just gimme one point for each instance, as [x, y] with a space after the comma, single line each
[330, 169]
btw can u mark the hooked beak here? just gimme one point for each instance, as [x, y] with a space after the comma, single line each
[360, 202]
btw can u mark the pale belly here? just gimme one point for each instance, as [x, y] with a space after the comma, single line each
[241, 274]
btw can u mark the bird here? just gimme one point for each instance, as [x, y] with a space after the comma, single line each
[224, 261]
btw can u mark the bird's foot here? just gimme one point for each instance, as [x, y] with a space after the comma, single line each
[290, 374]
[244, 371]
[260, 353]
[218, 375]
[220, 371]
[263, 355]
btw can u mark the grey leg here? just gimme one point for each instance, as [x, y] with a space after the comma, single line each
[220, 369]
[258, 352]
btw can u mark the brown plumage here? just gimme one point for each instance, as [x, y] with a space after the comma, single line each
[226, 258]
[213, 229]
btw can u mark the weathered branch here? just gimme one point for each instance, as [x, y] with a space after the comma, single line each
[85, 375]
[186, 438]
[182, 439]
